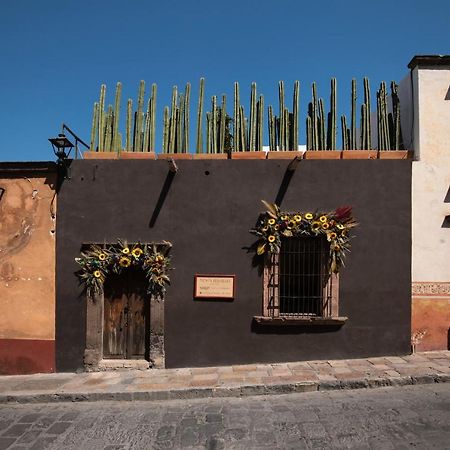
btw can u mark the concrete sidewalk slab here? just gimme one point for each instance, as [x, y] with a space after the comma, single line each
[230, 381]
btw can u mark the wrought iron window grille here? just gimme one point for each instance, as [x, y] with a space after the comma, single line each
[298, 282]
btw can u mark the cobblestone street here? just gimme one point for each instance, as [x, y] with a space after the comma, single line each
[385, 418]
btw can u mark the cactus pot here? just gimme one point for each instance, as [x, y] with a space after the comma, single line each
[322, 154]
[284, 155]
[100, 155]
[395, 154]
[359, 154]
[174, 155]
[210, 156]
[248, 155]
[137, 155]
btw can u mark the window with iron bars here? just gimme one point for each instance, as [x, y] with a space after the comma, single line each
[297, 281]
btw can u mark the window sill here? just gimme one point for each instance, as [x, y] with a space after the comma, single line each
[300, 321]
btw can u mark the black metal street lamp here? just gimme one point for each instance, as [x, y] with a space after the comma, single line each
[60, 144]
[61, 148]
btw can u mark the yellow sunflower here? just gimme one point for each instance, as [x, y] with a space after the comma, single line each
[284, 217]
[339, 226]
[265, 229]
[137, 252]
[102, 256]
[271, 239]
[332, 236]
[298, 218]
[316, 226]
[276, 227]
[125, 251]
[323, 219]
[97, 274]
[325, 226]
[308, 216]
[336, 248]
[271, 221]
[291, 224]
[124, 261]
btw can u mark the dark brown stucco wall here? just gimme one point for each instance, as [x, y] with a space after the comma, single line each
[207, 213]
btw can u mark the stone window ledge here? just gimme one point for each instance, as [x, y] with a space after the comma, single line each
[300, 321]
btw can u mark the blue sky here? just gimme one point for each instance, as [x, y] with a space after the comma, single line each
[55, 54]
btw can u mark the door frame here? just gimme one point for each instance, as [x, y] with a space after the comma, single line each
[93, 354]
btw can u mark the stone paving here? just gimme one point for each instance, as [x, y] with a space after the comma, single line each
[376, 419]
[253, 379]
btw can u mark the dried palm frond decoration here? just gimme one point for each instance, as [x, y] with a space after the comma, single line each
[98, 261]
[336, 226]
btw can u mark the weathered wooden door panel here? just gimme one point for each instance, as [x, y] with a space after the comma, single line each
[114, 330]
[137, 315]
[126, 316]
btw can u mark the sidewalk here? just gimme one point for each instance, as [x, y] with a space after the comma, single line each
[229, 381]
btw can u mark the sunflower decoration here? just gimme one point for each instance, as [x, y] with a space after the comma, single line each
[335, 226]
[97, 262]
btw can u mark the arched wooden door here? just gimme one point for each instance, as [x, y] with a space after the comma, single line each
[126, 330]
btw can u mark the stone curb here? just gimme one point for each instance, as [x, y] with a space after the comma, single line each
[223, 392]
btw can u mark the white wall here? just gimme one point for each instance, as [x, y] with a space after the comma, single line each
[431, 171]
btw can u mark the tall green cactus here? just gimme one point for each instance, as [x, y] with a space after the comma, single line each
[368, 142]
[146, 141]
[353, 142]
[333, 114]
[179, 125]
[295, 107]
[236, 122]
[345, 133]
[108, 128]
[252, 131]
[322, 144]
[309, 133]
[397, 143]
[101, 119]
[315, 138]
[187, 99]
[153, 118]
[208, 133]
[281, 116]
[270, 122]
[243, 128]
[166, 130]
[260, 123]
[172, 120]
[128, 145]
[223, 118]
[137, 142]
[199, 146]
[363, 126]
[94, 128]
[115, 133]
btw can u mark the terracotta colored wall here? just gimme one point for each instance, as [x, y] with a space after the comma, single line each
[27, 266]
[431, 316]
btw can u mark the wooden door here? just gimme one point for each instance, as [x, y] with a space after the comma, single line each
[126, 316]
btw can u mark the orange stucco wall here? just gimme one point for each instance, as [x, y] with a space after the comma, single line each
[27, 254]
[431, 323]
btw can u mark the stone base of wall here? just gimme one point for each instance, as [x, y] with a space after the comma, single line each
[431, 316]
[26, 356]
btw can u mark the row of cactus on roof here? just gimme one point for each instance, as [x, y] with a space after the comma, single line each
[241, 132]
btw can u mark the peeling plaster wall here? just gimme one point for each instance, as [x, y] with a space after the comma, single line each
[27, 268]
[431, 205]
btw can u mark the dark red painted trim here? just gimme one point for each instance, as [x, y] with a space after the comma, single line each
[25, 356]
